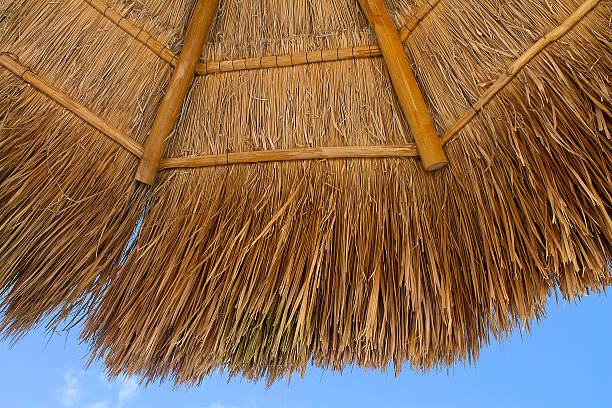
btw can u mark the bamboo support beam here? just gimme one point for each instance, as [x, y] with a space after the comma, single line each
[406, 88]
[145, 38]
[289, 60]
[315, 153]
[68, 103]
[176, 92]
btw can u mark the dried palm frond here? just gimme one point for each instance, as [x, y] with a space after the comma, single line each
[262, 268]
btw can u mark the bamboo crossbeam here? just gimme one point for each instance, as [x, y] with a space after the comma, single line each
[140, 35]
[177, 89]
[516, 67]
[315, 153]
[405, 85]
[68, 103]
[289, 60]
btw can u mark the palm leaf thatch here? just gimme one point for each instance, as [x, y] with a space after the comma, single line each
[291, 220]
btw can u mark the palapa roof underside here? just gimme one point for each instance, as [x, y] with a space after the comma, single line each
[262, 268]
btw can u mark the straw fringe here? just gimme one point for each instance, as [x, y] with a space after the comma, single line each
[369, 261]
[260, 269]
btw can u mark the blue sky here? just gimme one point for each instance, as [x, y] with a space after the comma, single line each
[565, 362]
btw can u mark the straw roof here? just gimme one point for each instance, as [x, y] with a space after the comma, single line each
[330, 244]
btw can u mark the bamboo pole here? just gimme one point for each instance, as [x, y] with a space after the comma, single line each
[140, 35]
[518, 64]
[314, 153]
[177, 89]
[406, 87]
[70, 104]
[289, 60]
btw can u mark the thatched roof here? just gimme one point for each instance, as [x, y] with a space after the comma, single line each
[291, 219]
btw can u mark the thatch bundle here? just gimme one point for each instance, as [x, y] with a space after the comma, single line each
[291, 220]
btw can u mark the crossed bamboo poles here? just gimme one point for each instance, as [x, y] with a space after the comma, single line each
[409, 150]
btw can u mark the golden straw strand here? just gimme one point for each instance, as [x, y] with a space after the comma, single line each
[514, 68]
[136, 32]
[64, 100]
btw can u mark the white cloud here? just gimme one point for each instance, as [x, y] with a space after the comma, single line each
[81, 390]
[70, 393]
[217, 405]
[99, 404]
[128, 389]
[104, 381]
